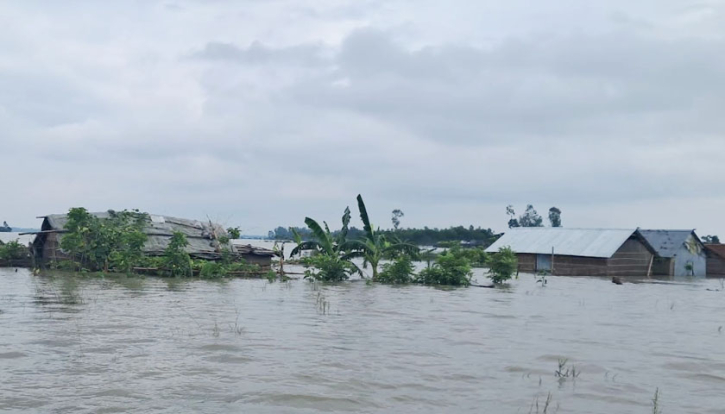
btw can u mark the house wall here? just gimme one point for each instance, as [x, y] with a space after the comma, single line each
[579, 266]
[263, 261]
[632, 259]
[715, 266]
[565, 265]
[684, 256]
[51, 248]
[663, 266]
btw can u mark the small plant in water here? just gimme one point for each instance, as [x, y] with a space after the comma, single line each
[656, 403]
[271, 276]
[563, 372]
[323, 305]
[544, 409]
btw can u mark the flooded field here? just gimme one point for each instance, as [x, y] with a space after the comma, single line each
[82, 344]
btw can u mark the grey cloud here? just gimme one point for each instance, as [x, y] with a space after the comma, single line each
[567, 86]
[259, 54]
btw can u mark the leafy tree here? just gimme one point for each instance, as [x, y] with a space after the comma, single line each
[176, 260]
[531, 218]
[513, 222]
[397, 214]
[129, 252]
[711, 240]
[450, 269]
[502, 265]
[555, 217]
[375, 246]
[96, 244]
[283, 233]
[431, 237]
[400, 271]
[234, 232]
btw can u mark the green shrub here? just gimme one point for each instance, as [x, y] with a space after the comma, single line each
[327, 268]
[400, 271]
[502, 265]
[234, 232]
[12, 251]
[450, 269]
[212, 270]
[176, 260]
[96, 244]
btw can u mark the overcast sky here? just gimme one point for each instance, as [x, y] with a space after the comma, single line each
[257, 113]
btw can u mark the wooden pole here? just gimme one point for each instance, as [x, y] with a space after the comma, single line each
[552, 261]
[649, 269]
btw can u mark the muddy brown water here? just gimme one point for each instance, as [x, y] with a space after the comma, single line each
[84, 344]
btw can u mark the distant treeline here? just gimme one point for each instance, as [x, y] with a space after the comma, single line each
[422, 237]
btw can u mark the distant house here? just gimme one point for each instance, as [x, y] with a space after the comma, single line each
[203, 238]
[715, 260]
[680, 253]
[579, 252]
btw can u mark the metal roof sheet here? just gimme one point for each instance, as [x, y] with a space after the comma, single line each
[601, 243]
[716, 249]
[666, 242]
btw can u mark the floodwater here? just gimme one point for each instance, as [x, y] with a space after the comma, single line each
[91, 345]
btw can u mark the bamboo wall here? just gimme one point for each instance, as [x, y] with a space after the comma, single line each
[715, 266]
[632, 259]
[527, 263]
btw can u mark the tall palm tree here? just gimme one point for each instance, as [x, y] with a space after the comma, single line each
[375, 246]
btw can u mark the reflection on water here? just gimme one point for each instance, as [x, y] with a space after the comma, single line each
[84, 344]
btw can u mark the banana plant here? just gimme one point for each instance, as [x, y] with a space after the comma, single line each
[375, 246]
[323, 241]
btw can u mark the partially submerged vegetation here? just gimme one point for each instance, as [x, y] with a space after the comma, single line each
[331, 255]
[502, 265]
[13, 253]
[116, 244]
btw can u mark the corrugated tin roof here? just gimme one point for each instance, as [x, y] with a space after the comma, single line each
[666, 242]
[716, 249]
[602, 243]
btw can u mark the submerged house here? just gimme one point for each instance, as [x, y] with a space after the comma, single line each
[579, 252]
[203, 239]
[680, 253]
[715, 260]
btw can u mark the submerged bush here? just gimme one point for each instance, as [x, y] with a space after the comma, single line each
[213, 270]
[502, 265]
[449, 269]
[98, 244]
[13, 250]
[176, 260]
[327, 268]
[400, 271]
